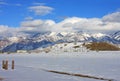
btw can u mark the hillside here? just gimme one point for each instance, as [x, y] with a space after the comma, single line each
[101, 46]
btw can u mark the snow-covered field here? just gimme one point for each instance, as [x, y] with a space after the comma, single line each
[29, 67]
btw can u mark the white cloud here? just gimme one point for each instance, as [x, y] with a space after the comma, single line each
[37, 25]
[41, 10]
[34, 23]
[8, 4]
[3, 3]
[109, 22]
[114, 17]
[38, 3]
[3, 28]
[8, 31]
[29, 18]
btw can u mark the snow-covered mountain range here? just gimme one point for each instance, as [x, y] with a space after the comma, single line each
[32, 40]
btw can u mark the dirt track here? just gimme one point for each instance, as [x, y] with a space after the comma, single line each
[80, 75]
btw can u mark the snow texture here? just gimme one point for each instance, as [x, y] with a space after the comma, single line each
[29, 67]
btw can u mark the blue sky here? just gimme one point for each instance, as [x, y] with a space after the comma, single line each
[59, 15]
[13, 12]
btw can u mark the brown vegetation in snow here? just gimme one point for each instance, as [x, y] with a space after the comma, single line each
[101, 46]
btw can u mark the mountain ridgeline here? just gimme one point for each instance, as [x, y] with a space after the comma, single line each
[33, 41]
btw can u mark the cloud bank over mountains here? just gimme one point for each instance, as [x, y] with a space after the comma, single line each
[110, 22]
[107, 23]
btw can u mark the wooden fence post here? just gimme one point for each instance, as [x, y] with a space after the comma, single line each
[3, 64]
[13, 64]
[6, 65]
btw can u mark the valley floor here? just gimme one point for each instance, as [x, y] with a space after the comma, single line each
[31, 67]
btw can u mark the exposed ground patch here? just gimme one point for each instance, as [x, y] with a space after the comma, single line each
[101, 46]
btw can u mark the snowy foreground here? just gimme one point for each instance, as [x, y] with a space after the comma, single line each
[29, 67]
